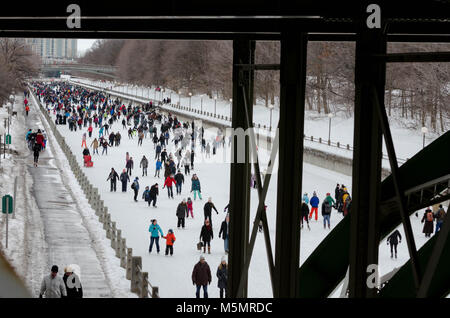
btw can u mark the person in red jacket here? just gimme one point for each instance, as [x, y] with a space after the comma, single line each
[190, 208]
[90, 130]
[170, 239]
[40, 138]
[169, 183]
[27, 109]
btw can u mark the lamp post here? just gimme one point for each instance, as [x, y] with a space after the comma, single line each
[271, 107]
[231, 107]
[215, 102]
[424, 131]
[179, 92]
[330, 115]
[190, 97]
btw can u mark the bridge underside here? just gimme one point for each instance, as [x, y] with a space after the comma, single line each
[74, 69]
[294, 24]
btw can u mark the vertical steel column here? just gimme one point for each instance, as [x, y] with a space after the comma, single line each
[366, 181]
[239, 208]
[290, 170]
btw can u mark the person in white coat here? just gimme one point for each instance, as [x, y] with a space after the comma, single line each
[52, 285]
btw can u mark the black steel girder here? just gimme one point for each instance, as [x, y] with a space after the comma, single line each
[290, 170]
[239, 206]
[366, 174]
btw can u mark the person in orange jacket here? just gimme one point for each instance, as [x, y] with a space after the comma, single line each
[170, 239]
[168, 183]
[27, 109]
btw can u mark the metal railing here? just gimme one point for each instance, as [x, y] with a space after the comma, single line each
[342, 146]
[118, 243]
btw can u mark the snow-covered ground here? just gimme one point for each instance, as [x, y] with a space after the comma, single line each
[26, 250]
[173, 274]
[43, 232]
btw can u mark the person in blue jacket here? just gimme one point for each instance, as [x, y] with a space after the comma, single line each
[154, 229]
[135, 187]
[305, 198]
[314, 205]
[158, 167]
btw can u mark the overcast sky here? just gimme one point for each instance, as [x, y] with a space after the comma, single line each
[84, 45]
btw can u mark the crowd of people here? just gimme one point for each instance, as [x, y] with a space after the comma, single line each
[37, 142]
[85, 110]
[342, 202]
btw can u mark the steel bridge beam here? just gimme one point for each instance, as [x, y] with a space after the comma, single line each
[290, 170]
[366, 174]
[239, 206]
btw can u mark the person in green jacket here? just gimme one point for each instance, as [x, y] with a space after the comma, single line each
[330, 200]
[196, 187]
[154, 238]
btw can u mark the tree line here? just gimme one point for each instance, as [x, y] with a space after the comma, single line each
[17, 64]
[417, 92]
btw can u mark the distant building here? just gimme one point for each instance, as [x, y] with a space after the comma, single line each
[54, 48]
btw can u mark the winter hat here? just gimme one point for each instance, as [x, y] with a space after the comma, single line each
[54, 269]
[328, 193]
[224, 258]
[68, 269]
[202, 257]
[170, 231]
[314, 193]
[75, 269]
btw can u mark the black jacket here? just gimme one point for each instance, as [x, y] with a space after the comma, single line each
[113, 176]
[222, 275]
[72, 292]
[326, 208]
[206, 234]
[337, 194]
[224, 230]
[393, 237]
[179, 178]
[208, 208]
[304, 210]
[181, 210]
[154, 191]
[124, 177]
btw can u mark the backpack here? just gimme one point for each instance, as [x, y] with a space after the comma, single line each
[327, 207]
[430, 216]
[133, 185]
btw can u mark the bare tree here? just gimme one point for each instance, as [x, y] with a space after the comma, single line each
[17, 64]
